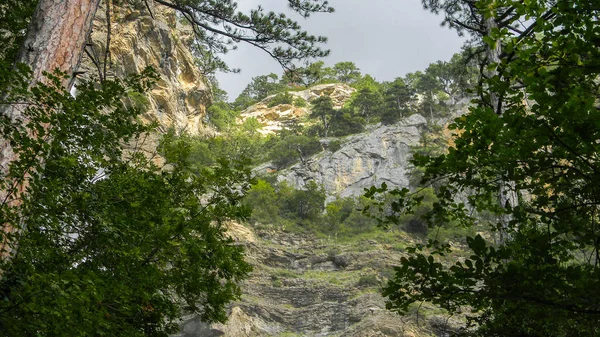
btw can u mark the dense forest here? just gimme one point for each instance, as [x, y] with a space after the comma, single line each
[102, 237]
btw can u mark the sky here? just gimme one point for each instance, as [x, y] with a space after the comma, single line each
[384, 38]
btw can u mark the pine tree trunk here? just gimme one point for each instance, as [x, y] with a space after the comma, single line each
[55, 40]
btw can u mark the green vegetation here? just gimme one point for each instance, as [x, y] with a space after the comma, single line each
[303, 210]
[98, 240]
[289, 147]
[524, 166]
[281, 98]
[282, 204]
[106, 240]
[368, 280]
[300, 102]
[103, 241]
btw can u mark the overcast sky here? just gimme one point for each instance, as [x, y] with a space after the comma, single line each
[384, 38]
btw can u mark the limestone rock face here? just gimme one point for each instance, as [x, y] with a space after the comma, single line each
[364, 160]
[160, 40]
[304, 286]
[274, 118]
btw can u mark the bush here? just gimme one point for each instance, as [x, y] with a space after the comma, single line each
[290, 148]
[221, 116]
[369, 280]
[300, 102]
[306, 204]
[415, 222]
[262, 199]
[334, 145]
[344, 218]
[344, 122]
[281, 98]
[138, 101]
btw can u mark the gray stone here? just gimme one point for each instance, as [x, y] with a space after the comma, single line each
[364, 160]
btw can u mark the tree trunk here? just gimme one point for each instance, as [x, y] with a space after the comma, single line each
[493, 54]
[507, 195]
[55, 40]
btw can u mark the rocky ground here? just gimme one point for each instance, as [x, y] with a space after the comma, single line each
[307, 286]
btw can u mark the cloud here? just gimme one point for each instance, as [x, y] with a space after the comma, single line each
[384, 38]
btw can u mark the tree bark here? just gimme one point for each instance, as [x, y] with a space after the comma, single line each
[493, 54]
[55, 40]
[507, 195]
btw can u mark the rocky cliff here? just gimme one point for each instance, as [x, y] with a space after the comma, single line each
[159, 39]
[379, 155]
[307, 286]
[304, 285]
[274, 118]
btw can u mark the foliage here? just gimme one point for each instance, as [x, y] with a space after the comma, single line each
[218, 25]
[242, 143]
[14, 20]
[221, 116]
[271, 204]
[334, 145]
[527, 154]
[367, 81]
[303, 204]
[322, 109]
[259, 88]
[317, 73]
[335, 122]
[313, 73]
[109, 243]
[281, 98]
[397, 97]
[263, 200]
[368, 280]
[289, 147]
[304, 210]
[344, 218]
[367, 103]
[300, 102]
[346, 72]
[345, 122]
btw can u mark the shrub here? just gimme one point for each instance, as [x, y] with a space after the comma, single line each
[281, 98]
[221, 116]
[334, 145]
[369, 280]
[300, 102]
[306, 204]
[289, 149]
[262, 199]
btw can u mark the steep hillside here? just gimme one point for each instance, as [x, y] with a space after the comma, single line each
[380, 155]
[307, 283]
[307, 286]
[160, 39]
[274, 118]
[303, 283]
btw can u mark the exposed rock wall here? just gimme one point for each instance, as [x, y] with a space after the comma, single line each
[364, 160]
[274, 118]
[304, 286]
[162, 41]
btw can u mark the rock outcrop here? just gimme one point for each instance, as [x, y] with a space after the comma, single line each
[275, 118]
[304, 286]
[364, 160]
[161, 40]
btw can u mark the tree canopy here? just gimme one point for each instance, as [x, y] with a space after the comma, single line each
[219, 26]
[111, 242]
[107, 241]
[537, 146]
